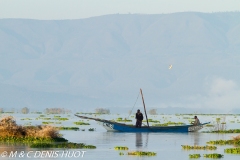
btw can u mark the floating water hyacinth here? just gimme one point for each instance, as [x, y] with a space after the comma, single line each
[62, 145]
[221, 142]
[91, 129]
[121, 148]
[81, 123]
[194, 155]
[121, 153]
[199, 147]
[123, 120]
[227, 131]
[232, 150]
[213, 155]
[142, 153]
[67, 128]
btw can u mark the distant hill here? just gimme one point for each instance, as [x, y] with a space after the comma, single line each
[103, 61]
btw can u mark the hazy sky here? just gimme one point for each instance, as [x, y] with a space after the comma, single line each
[75, 9]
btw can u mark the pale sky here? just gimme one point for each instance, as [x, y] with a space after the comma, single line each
[77, 9]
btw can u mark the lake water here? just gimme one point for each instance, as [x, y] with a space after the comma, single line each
[166, 145]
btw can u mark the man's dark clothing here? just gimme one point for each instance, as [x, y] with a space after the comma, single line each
[139, 117]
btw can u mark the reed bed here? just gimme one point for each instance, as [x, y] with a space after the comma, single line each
[10, 131]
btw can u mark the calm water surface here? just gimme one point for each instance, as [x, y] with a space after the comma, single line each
[167, 145]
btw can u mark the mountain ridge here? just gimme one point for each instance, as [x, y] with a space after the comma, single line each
[103, 61]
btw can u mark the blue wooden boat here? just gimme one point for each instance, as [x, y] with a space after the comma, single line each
[120, 127]
[115, 126]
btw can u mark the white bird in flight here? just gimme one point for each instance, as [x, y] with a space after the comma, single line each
[170, 67]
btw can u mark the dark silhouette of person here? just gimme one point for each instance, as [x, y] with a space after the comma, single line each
[196, 122]
[139, 118]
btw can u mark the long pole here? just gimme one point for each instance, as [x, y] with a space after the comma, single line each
[144, 106]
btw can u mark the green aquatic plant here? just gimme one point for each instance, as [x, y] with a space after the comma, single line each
[226, 131]
[194, 155]
[224, 142]
[123, 120]
[121, 153]
[68, 128]
[28, 119]
[160, 124]
[31, 140]
[151, 120]
[213, 155]
[232, 150]
[209, 125]
[121, 148]
[81, 123]
[62, 145]
[90, 147]
[47, 122]
[142, 153]
[91, 129]
[60, 118]
[199, 147]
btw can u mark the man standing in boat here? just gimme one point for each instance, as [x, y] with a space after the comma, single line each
[139, 118]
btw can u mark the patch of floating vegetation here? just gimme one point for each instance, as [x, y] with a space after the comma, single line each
[60, 118]
[47, 122]
[224, 142]
[62, 145]
[121, 148]
[232, 150]
[213, 155]
[199, 147]
[151, 120]
[9, 112]
[121, 153]
[209, 125]
[225, 131]
[81, 123]
[91, 129]
[123, 120]
[194, 155]
[31, 140]
[142, 153]
[28, 119]
[68, 128]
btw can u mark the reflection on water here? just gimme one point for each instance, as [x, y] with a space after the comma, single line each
[195, 136]
[140, 143]
[139, 140]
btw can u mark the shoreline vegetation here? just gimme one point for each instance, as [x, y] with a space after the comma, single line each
[42, 136]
